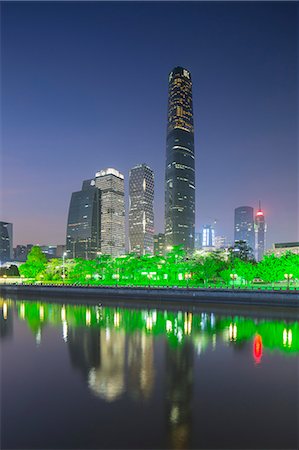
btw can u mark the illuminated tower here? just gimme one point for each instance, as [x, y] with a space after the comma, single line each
[180, 168]
[244, 225]
[208, 236]
[141, 212]
[110, 182]
[260, 234]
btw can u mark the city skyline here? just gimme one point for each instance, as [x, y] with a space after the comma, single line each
[244, 94]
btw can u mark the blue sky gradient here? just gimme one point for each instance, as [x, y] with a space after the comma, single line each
[84, 87]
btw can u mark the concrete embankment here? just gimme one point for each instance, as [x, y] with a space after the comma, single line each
[265, 298]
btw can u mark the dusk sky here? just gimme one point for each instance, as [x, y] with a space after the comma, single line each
[84, 87]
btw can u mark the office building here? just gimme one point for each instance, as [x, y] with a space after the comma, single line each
[141, 210]
[6, 241]
[208, 236]
[84, 222]
[198, 241]
[180, 167]
[221, 242]
[283, 247]
[244, 225]
[260, 234]
[159, 244]
[110, 183]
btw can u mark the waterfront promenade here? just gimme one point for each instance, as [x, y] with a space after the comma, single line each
[154, 295]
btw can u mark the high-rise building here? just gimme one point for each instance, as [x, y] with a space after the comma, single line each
[159, 244]
[6, 244]
[198, 241]
[221, 242]
[110, 183]
[244, 225]
[83, 222]
[141, 210]
[260, 234]
[180, 167]
[208, 236]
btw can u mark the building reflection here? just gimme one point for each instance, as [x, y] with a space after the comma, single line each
[179, 373]
[6, 320]
[141, 373]
[107, 380]
[84, 349]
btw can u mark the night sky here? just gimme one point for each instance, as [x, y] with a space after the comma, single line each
[84, 87]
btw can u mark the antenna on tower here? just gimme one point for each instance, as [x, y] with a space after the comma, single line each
[260, 205]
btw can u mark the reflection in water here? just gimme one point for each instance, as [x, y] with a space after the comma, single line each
[114, 348]
[150, 357]
[6, 322]
[141, 372]
[107, 379]
[257, 348]
[179, 385]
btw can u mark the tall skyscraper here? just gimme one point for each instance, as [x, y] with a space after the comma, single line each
[141, 210]
[180, 167]
[6, 244]
[83, 224]
[260, 234]
[244, 225]
[110, 182]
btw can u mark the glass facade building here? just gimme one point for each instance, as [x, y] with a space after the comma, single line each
[83, 224]
[6, 244]
[159, 244]
[244, 225]
[208, 236]
[110, 182]
[180, 167]
[260, 234]
[141, 210]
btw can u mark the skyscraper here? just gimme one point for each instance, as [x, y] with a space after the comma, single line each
[6, 244]
[180, 167]
[110, 182]
[141, 210]
[260, 234]
[244, 225]
[83, 224]
[208, 236]
[159, 244]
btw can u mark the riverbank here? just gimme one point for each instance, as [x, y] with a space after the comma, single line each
[288, 299]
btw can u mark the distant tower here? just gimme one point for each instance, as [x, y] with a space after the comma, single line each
[208, 236]
[180, 167]
[260, 234]
[6, 244]
[141, 210]
[244, 225]
[82, 235]
[110, 182]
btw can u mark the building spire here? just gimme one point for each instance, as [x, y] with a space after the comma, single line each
[260, 206]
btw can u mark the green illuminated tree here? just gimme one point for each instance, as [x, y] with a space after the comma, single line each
[246, 270]
[35, 264]
[270, 269]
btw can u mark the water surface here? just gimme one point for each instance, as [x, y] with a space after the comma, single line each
[93, 377]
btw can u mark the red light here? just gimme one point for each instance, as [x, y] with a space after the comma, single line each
[260, 213]
[257, 348]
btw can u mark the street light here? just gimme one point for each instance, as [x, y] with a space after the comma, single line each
[288, 276]
[187, 277]
[233, 276]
